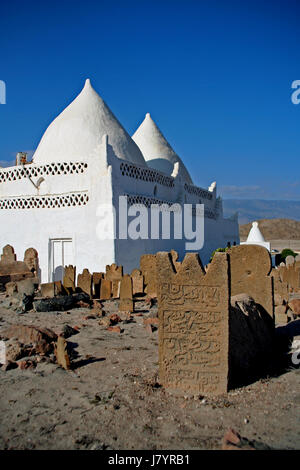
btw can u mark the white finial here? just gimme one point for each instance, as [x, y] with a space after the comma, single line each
[87, 82]
[147, 115]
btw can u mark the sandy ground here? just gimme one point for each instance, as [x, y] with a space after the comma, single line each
[112, 400]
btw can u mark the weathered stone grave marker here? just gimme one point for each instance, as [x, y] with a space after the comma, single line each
[148, 268]
[193, 324]
[126, 298]
[84, 282]
[250, 267]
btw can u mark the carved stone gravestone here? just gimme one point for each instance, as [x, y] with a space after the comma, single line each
[280, 287]
[114, 272]
[31, 259]
[250, 267]
[105, 289]
[69, 279]
[8, 256]
[137, 282]
[193, 309]
[148, 268]
[126, 298]
[84, 282]
[115, 287]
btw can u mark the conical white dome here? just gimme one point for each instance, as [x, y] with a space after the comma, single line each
[79, 129]
[255, 234]
[157, 152]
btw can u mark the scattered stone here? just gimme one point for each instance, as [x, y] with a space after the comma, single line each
[82, 304]
[151, 321]
[68, 331]
[97, 308]
[114, 319]
[294, 305]
[28, 364]
[14, 350]
[57, 304]
[125, 317]
[149, 328]
[9, 366]
[114, 329]
[29, 334]
[105, 321]
[233, 441]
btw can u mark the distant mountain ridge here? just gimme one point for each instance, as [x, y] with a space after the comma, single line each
[274, 229]
[253, 209]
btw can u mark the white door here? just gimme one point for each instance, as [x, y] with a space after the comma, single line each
[61, 255]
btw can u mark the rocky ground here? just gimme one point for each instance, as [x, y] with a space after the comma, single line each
[111, 398]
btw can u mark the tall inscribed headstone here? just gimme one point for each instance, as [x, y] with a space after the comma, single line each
[194, 324]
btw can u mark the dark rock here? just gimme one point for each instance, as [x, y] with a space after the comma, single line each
[68, 331]
[58, 304]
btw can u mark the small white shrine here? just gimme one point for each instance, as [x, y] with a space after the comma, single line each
[255, 237]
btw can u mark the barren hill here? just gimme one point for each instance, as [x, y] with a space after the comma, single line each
[275, 229]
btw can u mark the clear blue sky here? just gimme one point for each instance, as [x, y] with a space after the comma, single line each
[215, 75]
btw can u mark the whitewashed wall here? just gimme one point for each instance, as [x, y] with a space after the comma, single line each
[102, 182]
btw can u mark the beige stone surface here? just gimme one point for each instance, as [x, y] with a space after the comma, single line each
[69, 280]
[31, 259]
[194, 321]
[114, 272]
[148, 269]
[84, 282]
[116, 289]
[8, 256]
[61, 353]
[105, 289]
[137, 282]
[126, 296]
[250, 267]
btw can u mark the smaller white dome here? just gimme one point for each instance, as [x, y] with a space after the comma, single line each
[255, 234]
[157, 152]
